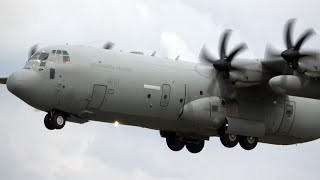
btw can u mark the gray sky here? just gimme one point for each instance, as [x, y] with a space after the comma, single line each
[171, 27]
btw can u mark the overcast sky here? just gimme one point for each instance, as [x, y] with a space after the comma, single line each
[170, 27]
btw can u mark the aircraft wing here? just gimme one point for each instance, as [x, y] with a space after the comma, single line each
[3, 80]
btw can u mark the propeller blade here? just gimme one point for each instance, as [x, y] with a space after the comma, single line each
[271, 53]
[108, 45]
[224, 40]
[303, 38]
[205, 57]
[273, 61]
[237, 50]
[313, 55]
[33, 49]
[288, 33]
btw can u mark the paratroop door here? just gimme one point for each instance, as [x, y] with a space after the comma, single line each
[288, 117]
[98, 95]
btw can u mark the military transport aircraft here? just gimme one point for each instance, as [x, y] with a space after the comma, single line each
[245, 101]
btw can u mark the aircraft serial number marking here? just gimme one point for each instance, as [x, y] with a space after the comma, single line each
[112, 81]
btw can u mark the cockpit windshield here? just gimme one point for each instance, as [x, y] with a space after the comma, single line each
[35, 56]
[40, 56]
[43, 56]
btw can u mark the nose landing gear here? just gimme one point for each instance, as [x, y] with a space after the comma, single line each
[55, 120]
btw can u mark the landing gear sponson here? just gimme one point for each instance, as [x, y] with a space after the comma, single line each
[231, 140]
[177, 143]
[55, 120]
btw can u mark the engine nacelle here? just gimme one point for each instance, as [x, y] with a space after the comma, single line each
[245, 79]
[295, 86]
[310, 69]
[205, 113]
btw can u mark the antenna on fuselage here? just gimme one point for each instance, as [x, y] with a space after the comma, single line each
[154, 53]
[177, 58]
[108, 45]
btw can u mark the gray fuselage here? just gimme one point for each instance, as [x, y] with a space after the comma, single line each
[152, 92]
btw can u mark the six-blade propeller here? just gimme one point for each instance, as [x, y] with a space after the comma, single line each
[292, 54]
[224, 63]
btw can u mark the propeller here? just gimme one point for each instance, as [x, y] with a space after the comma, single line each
[292, 54]
[108, 45]
[224, 63]
[33, 50]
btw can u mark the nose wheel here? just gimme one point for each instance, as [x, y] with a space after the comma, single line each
[56, 121]
[47, 122]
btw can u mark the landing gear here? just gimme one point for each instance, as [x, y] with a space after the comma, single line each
[248, 143]
[174, 142]
[228, 140]
[47, 122]
[177, 143]
[195, 147]
[56, 121]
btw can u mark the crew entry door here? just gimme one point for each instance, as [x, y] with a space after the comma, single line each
[288, 117]
[97, 98]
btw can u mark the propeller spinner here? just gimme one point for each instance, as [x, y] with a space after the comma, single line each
[224, 63]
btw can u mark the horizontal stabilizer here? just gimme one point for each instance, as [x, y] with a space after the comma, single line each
[3, 80]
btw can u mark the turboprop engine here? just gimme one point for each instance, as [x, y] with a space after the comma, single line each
[205, 113]
[296, 86]
[214, 113]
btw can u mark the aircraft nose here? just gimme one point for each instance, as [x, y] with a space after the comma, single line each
[20, 82]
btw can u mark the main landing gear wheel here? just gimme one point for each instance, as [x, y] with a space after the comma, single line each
[174, 143]
[48, 123]
[229, 140]
[195, 147]
[58, 120]
[248, 143]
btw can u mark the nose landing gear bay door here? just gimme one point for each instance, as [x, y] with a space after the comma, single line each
[98, 96]
[288, 117]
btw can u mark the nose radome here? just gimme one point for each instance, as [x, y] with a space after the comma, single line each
[21, 81]
[14, 83]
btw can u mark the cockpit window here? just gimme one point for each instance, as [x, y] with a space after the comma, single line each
[35, 56]
[65, 53]
[44, 56]
[66, 60]
[53, 51]
[58, 51]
